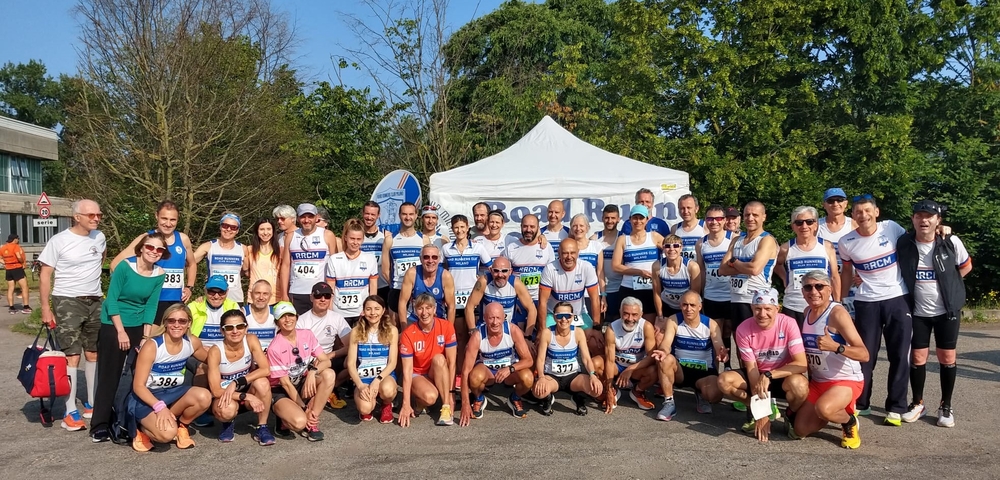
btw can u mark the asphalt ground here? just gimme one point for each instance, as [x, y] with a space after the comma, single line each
[630, 443]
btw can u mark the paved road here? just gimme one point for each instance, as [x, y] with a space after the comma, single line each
[628, 443]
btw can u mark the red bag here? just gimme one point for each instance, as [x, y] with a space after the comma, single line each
[43, 372]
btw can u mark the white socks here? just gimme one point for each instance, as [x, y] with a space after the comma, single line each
[90, 373]
[71, 399]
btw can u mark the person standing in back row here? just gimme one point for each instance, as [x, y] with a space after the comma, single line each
[749, 262]
[690, 229]
[75, 256]
[13, 261]
[225, 256]
[303, 259]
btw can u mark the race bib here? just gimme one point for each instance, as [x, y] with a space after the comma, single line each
[689, 253]
[348, 299]
[673, 299]
[231, 276]
[693, 364]
[371, 369]
[173, 278]
[565, 366]
[158, 381]
[714, 272]
[498, 363]
[531, 280]
[404, 264]
[306, 270]
[816, 363]
[796, 279]
[462, 298]
[739, 284]
[625, 358]
[642, 283]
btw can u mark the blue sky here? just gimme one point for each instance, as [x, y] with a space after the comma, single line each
[47, 30]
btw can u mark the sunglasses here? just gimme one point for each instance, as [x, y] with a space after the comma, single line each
[562, 316]
[866, 196]
[231, 228]
[714, 219]
[672, 245]
[836, 200]
[499, 270]
[216, 292]
[234, 326]
[93, 216]
[819, 287]
[298, 359]
[154, 248]
[177, 321]
[430, 257]
[799, 223]
[325, 296]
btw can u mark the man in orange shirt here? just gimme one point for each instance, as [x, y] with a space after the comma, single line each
[427, 349]
[13, 261]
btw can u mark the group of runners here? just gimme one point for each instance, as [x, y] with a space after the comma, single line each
[438, 314]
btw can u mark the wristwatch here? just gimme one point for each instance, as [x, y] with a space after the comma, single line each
[243, 397]
[512, 369]
[840, 349]
[768, 375]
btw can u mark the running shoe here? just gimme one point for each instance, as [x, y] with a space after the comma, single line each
[640, 399]
[366, 417]
[530, 398]
[447, 417]
[335, 402]
[667, 411]
[262, 435]
[73, 422]
[386, 415]
[313, 434]
[458, 384]
[546, 404]
[12, 311]
[100, 435]
[204, 420]
[792, 434]
[141, 442]
[851, 438]
[894, 419]
[88, 410]
[516, 407]
[183, 439]
[739, 406]
[581, 403]
[749, 427]
[282, 430]
[228, 432]
[26, 310]
[914, 412]
[864, 412]
[702, 405]
[946, 417]
[478, 406]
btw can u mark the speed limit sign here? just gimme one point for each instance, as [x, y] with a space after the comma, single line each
[44, 212]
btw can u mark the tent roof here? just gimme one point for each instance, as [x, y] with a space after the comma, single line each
[557, 163]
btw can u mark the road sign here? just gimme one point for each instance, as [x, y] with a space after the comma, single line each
[45, 222]
[44, 212]
[43, 200]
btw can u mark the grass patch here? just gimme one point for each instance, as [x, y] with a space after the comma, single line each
[30, 324]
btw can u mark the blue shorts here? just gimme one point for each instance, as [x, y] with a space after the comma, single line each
[520, 315]
[137, 410]
[368, 381]
[587, 321]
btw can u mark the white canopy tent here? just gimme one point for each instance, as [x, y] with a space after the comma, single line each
[551, 163]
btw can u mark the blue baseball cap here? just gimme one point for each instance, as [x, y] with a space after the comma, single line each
[834, 192]
[217, 281]
[639, 210]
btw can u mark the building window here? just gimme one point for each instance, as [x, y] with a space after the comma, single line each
[24, 227]
[20, 175]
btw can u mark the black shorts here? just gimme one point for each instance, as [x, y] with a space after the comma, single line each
[565, 381]
[776, 388]
[393, 300]
[644, 296]
[669, 311]
[691, 376]
[352, 321]
[945, 332]
[798, 316]
[383, 292]
[301, 301]
[614, 301]
[741, 312]
[15, 274]
[278, 392]
[717, 310]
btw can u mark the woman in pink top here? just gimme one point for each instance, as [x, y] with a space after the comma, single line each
[774, 361]
[300, 374]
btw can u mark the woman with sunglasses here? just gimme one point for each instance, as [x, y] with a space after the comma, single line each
[127, 316]
[161, 405]
[673, 275]
[562, 357]
[801, 255]
[225, 256]
[263, 256]
[371, 360]
[237, 377]
[301, 378]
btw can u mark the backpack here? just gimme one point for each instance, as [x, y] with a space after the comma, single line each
[120, 421]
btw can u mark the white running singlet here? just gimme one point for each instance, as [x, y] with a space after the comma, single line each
[404, 253]
[834, 238]
[353, 277]
[612, 279]
[559, 360]
[464, 266]
[500, 356]
[926, 294]
[308, 257]
[229, 264]
[674, 285]
[717, 287]
[744, 286]
[168, 370]
[568, 286]
[827, 366]
[799, 262]
[693, 345]
[232, 370]
[689, 238]
[630, 347]
[264, 331]
[639, 256]
[373, 245]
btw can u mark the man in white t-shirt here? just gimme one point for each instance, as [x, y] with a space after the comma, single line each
[566, 280]
[331, 331]
[75, 256]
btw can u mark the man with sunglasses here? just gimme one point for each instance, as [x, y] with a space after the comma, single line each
[690, 229]
[711, 250]
[832, 228]
[303, 259]
[801, 255]
[331, 331]
[206, 312]
[75, 256]
[881, 307]
[497, 287]
[225, 255]
[644, 197]
[431, 278]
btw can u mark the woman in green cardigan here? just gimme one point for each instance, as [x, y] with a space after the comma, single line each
[126, 317]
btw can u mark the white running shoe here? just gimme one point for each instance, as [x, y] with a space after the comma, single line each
[914, 412]
[946, 417]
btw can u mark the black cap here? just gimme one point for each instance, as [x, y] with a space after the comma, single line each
[732, 212]
[929, 206]
[12, 237]
[322, 288]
